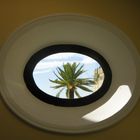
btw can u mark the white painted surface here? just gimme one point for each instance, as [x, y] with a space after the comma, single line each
[112, 106]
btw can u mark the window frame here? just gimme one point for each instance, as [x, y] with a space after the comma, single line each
[61, 48]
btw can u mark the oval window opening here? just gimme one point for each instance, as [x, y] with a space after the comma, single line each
[67, 75]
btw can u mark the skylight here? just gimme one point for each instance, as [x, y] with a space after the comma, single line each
[67, 75]
[46, 71]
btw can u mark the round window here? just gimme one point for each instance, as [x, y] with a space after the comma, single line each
[70, 88]
[67, 75]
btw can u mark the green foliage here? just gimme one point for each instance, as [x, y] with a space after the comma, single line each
[96, 75]
[68, 78]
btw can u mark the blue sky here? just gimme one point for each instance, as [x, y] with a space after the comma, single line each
[45, 69]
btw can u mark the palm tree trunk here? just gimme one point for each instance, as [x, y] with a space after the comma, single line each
[71, 94]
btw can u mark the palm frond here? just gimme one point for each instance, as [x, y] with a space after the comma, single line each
[62, 73]
[84, 88]
[85, 81]
[58, 94]
[79, 71]
[68, 71]
[74, 67]
[56, 81]
[58, 86]
[58, 76]
[77, 94]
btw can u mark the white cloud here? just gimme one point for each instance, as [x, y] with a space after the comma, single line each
[41, 71]
[59, 56]
[57, 60]
[48, 65]
[88, 60]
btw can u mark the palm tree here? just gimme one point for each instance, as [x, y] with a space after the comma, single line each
[68, 79]
[98, 77]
